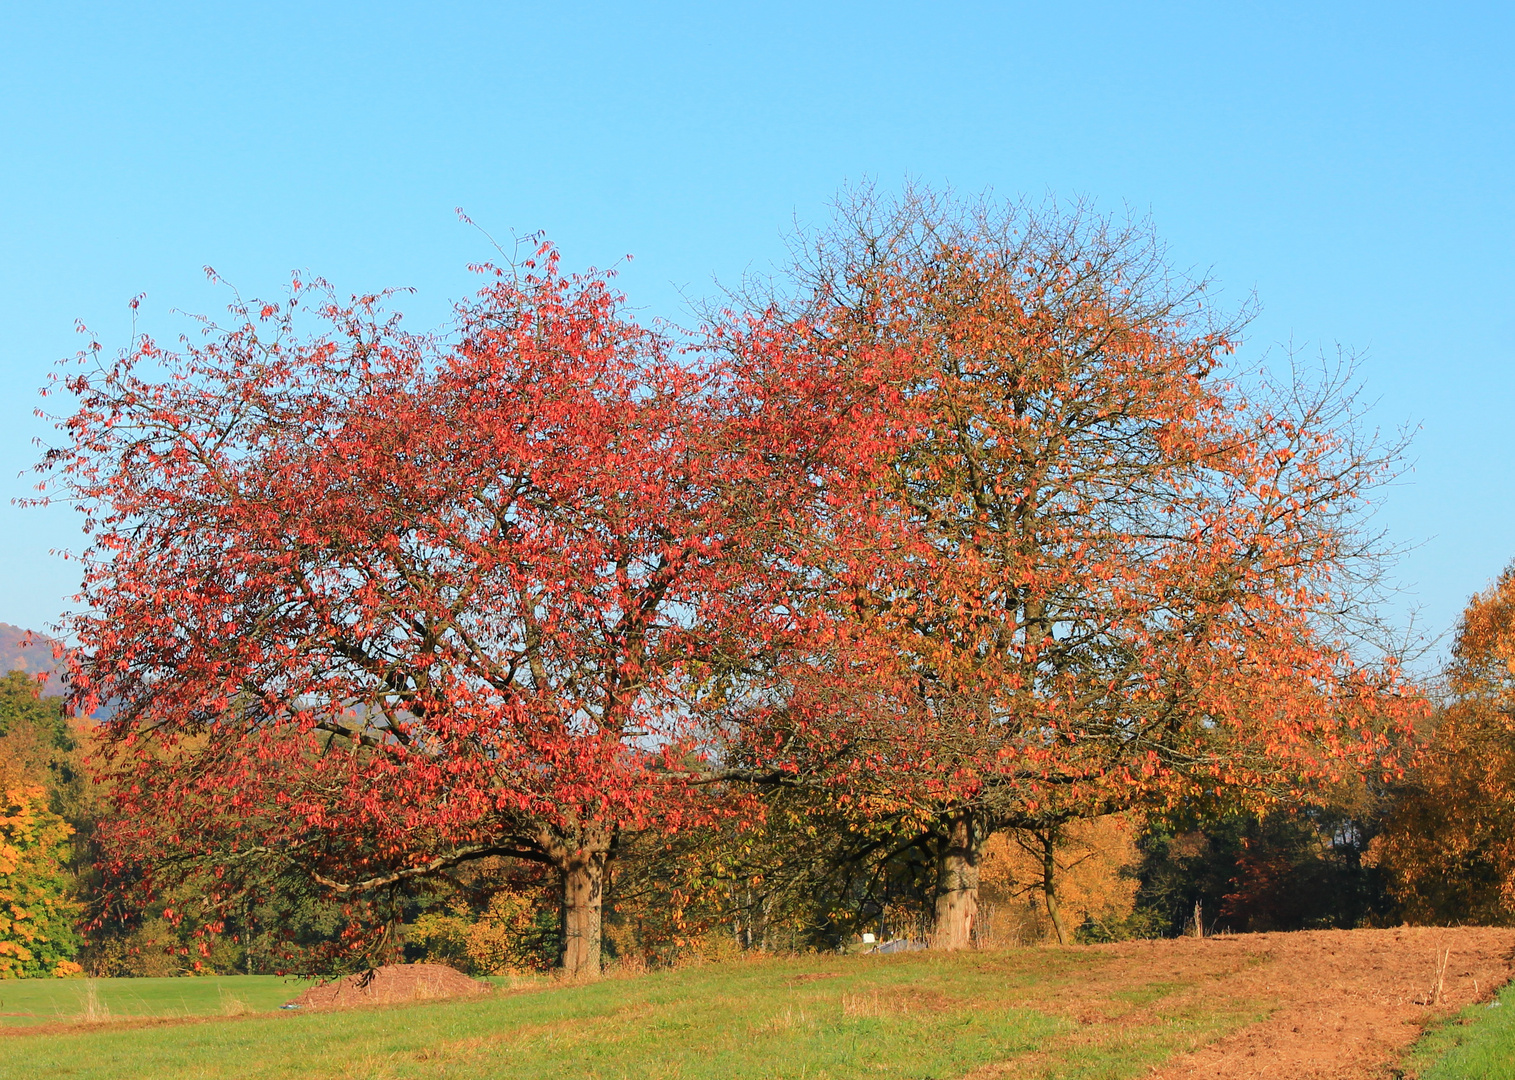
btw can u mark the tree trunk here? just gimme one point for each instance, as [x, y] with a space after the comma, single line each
[957, 883]
[1049, 884]
[582, 874]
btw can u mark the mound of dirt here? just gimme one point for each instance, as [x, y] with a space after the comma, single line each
[389, 985]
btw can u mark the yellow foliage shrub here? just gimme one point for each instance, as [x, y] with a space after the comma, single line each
[1090, 857]
[504, 940]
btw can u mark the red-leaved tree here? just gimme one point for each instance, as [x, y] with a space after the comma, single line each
[371, 605]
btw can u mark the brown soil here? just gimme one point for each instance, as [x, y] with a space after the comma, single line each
[390, 985]
[1342, 1004]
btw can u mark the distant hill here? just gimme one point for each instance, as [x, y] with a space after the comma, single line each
[35, 658]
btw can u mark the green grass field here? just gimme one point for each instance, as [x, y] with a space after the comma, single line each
[39, 1001]
[1477, 1044]
[810, 1019]
[1030, 1014]
[28, 1002]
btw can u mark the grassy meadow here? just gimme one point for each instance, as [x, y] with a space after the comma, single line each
[1023, 1013]
[1038, 1013]
[26, 1002]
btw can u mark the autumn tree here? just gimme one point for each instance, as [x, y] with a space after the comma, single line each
[41, 797]
[38, 740]
[1074, 562]
[37, 910]
[1448, 839]
[1080, 872]
[375, 606]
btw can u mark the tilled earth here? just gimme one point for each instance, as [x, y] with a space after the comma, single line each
[1341, 1003]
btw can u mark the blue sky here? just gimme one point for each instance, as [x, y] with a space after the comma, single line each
[1351, 164]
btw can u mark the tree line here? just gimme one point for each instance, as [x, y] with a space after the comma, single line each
[953, 545]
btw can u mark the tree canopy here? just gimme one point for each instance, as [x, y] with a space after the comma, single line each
[1081, 564]
[375, 605]
[1448, 843]
[967, 527]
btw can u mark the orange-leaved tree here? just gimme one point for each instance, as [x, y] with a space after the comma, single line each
[1072, 564]
[1448, 842]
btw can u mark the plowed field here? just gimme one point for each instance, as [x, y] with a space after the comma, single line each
[1342, 1003]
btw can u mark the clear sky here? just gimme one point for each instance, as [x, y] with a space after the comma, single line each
[1350, 163]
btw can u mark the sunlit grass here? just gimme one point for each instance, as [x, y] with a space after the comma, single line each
[1020, 1013]
[1477, 1044]
[32, 1001]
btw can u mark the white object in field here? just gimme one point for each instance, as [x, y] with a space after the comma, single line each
[869, 939]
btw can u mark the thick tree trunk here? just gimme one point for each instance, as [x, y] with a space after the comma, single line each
[581, 873]
[957, 883]
[583, 877]
[1049, 884]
